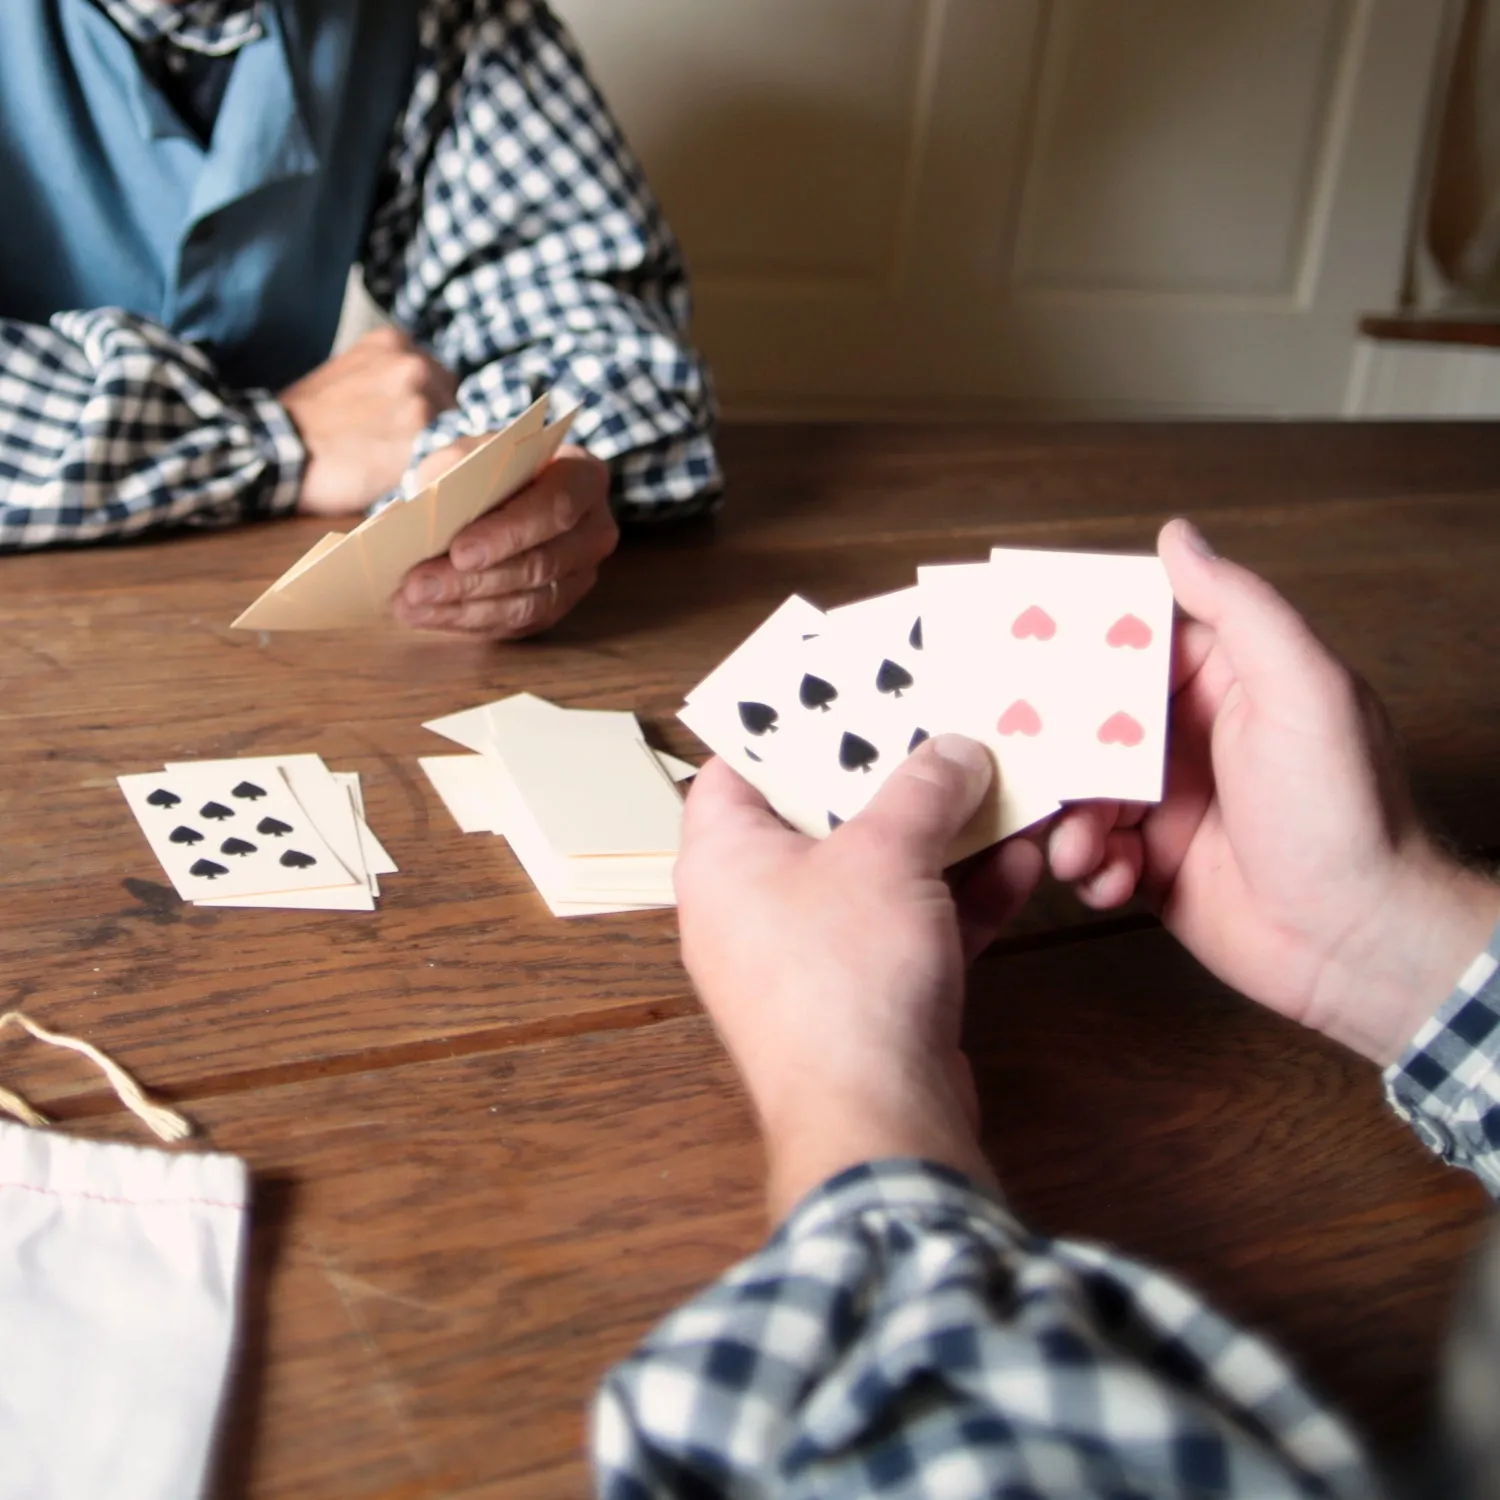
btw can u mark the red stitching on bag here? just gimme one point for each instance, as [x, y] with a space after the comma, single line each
[31, 1187]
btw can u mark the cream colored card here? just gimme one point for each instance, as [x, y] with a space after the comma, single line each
[591, 793]
[468, 727]
[393, 541]
[349, 581]
[219, 831]
[328, 592]
[678, 770]
[554, 875]
[377, 859]
[473, 727]
[461, 498]
[467, 786]
[609, 725]
[481, 797]
[332, 812]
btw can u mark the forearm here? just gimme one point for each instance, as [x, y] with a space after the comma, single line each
[109, 428]
[563, 276]
[902, 1333]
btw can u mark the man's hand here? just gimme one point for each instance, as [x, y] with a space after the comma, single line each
[1285, 855]
[520, 568]
[833, 969]
[358, 415]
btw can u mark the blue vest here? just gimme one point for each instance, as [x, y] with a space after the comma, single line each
[108, 200]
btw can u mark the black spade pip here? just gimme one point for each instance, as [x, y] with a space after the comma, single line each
[759, 718]
[816, 692]
[892, 678]
[856, 754]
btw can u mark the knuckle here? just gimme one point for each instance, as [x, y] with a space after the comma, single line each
[567, 510]
[411, 370]
[609, 533]
[538, 569]
[524, 611]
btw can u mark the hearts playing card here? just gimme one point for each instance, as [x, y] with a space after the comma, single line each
[1060, 663]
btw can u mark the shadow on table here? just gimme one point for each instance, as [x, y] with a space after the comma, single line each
[271, 1204]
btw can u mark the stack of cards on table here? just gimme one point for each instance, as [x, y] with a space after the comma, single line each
[281, 831]
[1058, 662]
[591, 812]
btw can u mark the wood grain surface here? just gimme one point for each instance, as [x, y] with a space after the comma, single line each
[491, 1148]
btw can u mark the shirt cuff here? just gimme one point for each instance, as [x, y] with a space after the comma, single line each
[286, 454]
[1446, 1085]
[903, 1187]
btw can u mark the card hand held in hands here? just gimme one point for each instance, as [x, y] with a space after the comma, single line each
[1057, 662]
[347, 578]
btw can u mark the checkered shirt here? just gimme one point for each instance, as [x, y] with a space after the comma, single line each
[513, 235]
[902, 1335]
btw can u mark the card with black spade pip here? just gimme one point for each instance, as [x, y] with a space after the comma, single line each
[766, 712]
[873, 651]
[220, 832]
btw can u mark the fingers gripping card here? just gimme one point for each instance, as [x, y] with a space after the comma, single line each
[218, 832]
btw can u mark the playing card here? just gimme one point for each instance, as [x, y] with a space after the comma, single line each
[479, 792]
[377, 861]
[220, 832]
[467, 785]
[331, 811]
[678, 770]
[873, 652]
[848, 697]
[1060, 663]
[461, 496]
[347, 579]
[590, 791]
[761, 710]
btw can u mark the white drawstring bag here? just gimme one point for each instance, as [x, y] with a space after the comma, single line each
[119, 1286]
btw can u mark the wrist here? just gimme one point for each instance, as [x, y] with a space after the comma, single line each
[1388, 979]
[839, 1128]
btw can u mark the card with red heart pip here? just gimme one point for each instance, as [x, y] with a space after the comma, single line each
[1058, 662]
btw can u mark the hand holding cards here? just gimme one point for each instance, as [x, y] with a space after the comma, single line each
[347, 578]
[1057, 662]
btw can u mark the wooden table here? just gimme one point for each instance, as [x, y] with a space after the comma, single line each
[491, 1148]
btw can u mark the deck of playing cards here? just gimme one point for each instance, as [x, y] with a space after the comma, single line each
[590, 811]
[280, 831]
[1057, 662]
[347, 578]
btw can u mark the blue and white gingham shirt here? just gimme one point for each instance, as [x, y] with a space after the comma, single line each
[903, 1335]
[513, 235]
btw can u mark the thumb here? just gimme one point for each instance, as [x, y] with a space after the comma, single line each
[1270, 647]
[928, 799]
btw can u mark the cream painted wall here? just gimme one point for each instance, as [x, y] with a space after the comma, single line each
[1065, 205]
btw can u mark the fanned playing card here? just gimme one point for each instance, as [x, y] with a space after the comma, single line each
[1058, 662]
[1070, 689]
[347, 579]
